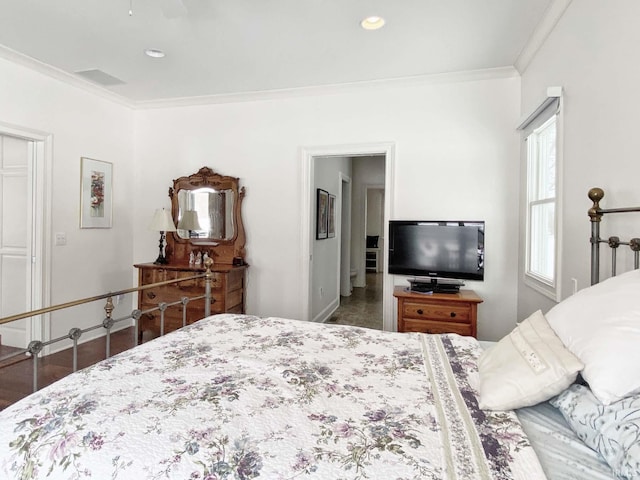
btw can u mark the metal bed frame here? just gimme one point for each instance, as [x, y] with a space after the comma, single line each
[35, 347]
[595, 215]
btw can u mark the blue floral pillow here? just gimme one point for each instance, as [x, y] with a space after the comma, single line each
[611, 430]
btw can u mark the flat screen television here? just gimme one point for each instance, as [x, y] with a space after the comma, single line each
[437, 249]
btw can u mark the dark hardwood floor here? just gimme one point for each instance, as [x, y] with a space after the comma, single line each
[16, 376]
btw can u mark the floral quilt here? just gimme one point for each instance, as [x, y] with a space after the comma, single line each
[241, 397]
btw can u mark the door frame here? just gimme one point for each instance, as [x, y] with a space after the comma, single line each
[308, 157]
[40, 173]
[344, 258]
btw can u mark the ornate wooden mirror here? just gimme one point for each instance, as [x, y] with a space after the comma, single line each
[206, 208]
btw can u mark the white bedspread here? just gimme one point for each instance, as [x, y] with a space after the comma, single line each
[238, 397]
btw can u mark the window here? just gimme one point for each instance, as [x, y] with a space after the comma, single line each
[542, 219]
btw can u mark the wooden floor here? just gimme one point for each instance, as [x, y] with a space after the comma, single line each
[16, 379]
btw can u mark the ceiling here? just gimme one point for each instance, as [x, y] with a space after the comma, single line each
[224, 47]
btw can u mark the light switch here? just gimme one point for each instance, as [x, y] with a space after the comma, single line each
[61, 238]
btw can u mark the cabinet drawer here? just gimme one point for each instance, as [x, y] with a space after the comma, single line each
[459, 313]
[428, 326]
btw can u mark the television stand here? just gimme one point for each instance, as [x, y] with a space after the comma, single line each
[436, 312]
[435, 285]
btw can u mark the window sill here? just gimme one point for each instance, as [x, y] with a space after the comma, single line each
[550, 291]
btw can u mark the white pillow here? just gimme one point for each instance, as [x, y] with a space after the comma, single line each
[528, 366]
[601, 326]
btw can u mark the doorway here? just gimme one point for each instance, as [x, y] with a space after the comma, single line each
[360, 154]
[363, 305]
[24, 254]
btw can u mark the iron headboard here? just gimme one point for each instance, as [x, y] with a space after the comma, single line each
[595, 215]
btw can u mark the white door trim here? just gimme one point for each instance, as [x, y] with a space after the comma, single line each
[38, 328]
[308, 155]
[344, 257]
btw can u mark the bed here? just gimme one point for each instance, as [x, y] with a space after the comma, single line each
[239, 397]
[236, 396]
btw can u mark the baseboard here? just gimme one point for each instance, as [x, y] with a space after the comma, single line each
[13, 337]
[326, 313]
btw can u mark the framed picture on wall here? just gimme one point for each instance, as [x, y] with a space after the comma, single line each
[331, 229]
[95, 193]
[322, 214]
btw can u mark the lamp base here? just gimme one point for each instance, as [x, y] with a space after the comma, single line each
[160, 260]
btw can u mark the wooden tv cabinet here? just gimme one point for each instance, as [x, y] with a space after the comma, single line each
[437, 312]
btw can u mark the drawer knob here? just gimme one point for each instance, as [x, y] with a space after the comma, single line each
[452, 314]
[420, 312]
[151, 295]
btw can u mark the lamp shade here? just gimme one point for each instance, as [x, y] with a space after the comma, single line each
[162, 221]
[189, 221]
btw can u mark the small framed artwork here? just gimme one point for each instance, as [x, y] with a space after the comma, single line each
[96, 179]
[331, 229]
[322, 214]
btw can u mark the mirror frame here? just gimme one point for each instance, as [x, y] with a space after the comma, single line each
[223, 251]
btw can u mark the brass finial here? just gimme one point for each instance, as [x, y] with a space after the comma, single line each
[108, 308]
[595, 195]
[208, 263]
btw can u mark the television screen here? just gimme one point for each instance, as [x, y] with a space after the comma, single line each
[447, 249]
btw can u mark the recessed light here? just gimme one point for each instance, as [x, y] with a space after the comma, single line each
[154, 53]
[372, 23]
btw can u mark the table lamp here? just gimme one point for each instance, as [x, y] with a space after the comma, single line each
[162, 222]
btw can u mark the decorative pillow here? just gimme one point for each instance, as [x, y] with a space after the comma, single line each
[601, 326]
[611, 430]
[528, 366]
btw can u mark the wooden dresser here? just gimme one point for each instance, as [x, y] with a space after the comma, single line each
[227, 293]
[437, 312]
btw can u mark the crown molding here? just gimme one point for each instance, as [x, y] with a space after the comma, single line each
[548, 23]
[335, 89]
[58, 74]
[254, 96]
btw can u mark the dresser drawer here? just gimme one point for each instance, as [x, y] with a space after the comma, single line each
[156, 275]
[173, 316]
[459, 313]
[227, 294]
[217, 304]
[428, 326]
[170, 294]
[172, 320]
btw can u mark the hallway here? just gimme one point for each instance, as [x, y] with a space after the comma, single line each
[364, 307]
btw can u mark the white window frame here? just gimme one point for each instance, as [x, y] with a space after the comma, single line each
[549, 287]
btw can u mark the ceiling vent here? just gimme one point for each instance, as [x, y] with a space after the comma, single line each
[99, 77]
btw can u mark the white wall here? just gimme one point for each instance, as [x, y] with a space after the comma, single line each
[456, 151]
[81, 124]
[592, 54]
[375, 212]
[367, 171]
[325, 281]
